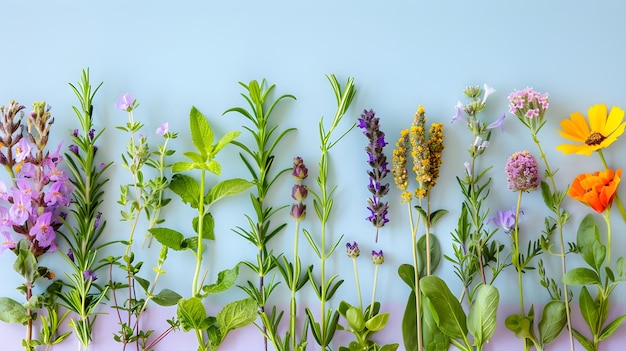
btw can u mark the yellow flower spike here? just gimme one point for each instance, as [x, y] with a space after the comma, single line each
[602, 130]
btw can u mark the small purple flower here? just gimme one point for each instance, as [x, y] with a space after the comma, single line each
[70, 254]
[298, 211]
[458, 116]
[352, 250]
[92, 133]
[505, 219]
[22, 150]
[126, 102]
[101, 165]
[8, 242]
[20, 210]
[377, 257]
[498, 123]
[88, 274]
[73, 148]
[163, 129]
[300, 172]
[96, 222]
[522, 172]
[95, 149]
[75, 133]
[43, 231]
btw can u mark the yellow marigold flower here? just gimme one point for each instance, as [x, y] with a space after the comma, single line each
[398, 162]
[602, 130]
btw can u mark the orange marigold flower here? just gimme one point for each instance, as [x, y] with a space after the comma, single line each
[596, 190]
[602, 130]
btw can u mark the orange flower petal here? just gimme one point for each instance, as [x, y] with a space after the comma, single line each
[576, 128]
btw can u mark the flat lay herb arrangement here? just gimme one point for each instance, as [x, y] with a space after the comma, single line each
[53, 200]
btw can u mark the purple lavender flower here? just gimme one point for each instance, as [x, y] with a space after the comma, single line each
[377, 160]
[352, 250]
[163, 129]
[96, 222]
[92, 133]
[522, 172]
[377, 257]
[75, 133]
[88, 274]
[505, 219]
[70, 254]
[126, 102]
[299, 192]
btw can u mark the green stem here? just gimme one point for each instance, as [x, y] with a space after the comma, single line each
[371, 314]
[358, 285]
[607, 218]
[416, 276]
[196, 276]
[560, 223]
[295, 277]
[620, 207]
[516, 254]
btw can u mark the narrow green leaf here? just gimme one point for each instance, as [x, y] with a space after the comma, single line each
[183, 166]
[586, 343]
[612, 327]
[435, 216]
[447, 309]
[589, 310]
[225, 140]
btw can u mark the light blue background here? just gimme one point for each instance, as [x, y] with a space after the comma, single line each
[172, 55]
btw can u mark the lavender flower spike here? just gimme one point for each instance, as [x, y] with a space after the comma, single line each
[377, 160]
[352, 250]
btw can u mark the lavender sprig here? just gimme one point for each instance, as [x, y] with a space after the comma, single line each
[370, 125]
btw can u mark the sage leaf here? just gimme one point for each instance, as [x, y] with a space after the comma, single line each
[168, 237]
[187, 188]
[552, 322]
[481, 320]
[228, 187]
[12, 311]
[237, 314]
[446, 308]
[225, 280]
[581, 276]
[201, 132]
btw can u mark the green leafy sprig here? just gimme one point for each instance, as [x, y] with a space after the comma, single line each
[324, 330]
[210, 330]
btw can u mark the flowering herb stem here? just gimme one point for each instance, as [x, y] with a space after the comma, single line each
[517, 260]
[418, 298]
[358, 285]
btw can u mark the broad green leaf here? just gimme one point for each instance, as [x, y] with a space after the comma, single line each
[435, 216]
[144, 283]
[378, 322]
[225, 280]
[446, 308]
[552, 322]
[183, 166]
[166, 297]
[481, 320]
[168, 237]
[390, 347]
[588, 242]
[409, 325]
[237, 314]
[12, 311]
[589, 310]
[201, 132]
[187, 188]
[192, 314]
[432, 337]
[581, 276]
[26, 265]
[355, 319]
[520, 325]
[407, 274]
[612, 327]
[208, 226]
[435, 254]
[228, 187]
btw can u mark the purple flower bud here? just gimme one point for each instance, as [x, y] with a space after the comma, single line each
[70, 254]
[377, 257]
[298, 211]
[300, 172]
[92, 133]
[352, 250]
[73, 148]
[88, 274]
[96, 222]
[299, 192]
[75, 133]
